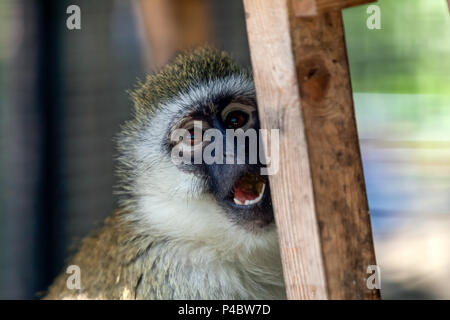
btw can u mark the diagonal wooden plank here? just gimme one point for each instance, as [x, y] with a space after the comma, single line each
[307, 8]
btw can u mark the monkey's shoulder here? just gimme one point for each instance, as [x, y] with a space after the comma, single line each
[111, 262]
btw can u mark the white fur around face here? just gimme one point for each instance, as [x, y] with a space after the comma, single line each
[226, 257]
[174, 205]
[160, 186]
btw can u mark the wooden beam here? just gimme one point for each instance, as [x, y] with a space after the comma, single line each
[307, 8]
[303, 89]
[279, 108]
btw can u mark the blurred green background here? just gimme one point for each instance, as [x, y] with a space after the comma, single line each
[401, 81]
[409, 54]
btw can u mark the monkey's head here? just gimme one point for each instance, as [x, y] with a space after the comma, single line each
[226, 199]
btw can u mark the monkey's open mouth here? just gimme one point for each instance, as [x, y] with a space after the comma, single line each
[249, 190]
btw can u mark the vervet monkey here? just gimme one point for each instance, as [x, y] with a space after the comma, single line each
[184, 231]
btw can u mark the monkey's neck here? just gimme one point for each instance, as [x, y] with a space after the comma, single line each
[186, 271]
[194, 270]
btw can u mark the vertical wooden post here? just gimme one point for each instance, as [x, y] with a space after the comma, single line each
[303, 89]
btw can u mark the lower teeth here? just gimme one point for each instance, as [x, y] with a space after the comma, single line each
[250, 202]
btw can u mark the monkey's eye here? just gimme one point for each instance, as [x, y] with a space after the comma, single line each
[195, 130]
[194, 139]
[236, 119]
[238, 116]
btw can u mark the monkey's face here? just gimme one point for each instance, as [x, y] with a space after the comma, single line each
[209, 196]
[183, 176]
[217, 140]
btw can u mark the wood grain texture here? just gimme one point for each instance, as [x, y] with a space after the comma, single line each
[341, 203]
[307, 8]
[319, 194]
[279, 106]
